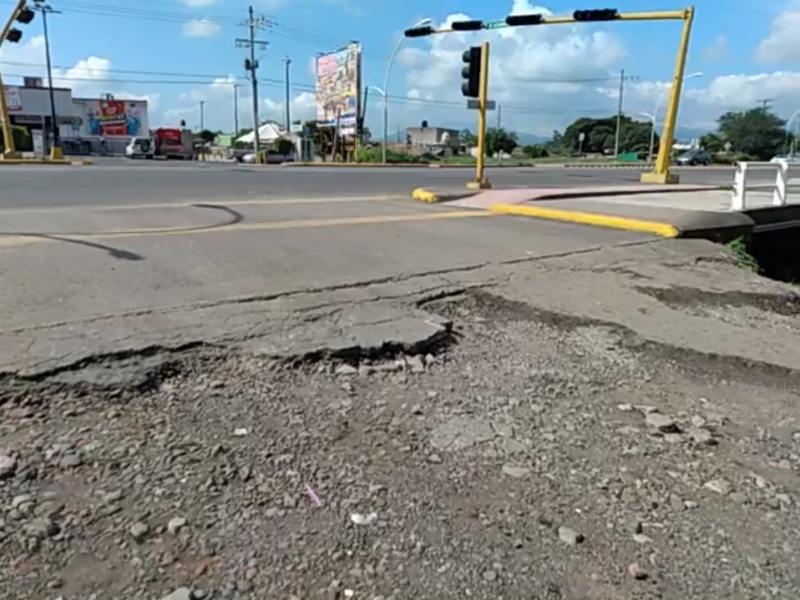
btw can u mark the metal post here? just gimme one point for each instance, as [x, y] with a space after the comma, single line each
[5, 119]
[288, 61]
[480, 182]
[235, 111]
[202, 129]
[254, 82]
[619, 112]
[55, 151]
[661, 172]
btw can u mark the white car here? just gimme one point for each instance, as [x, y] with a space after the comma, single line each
[272, 158]
[794, 159]
[140, 147]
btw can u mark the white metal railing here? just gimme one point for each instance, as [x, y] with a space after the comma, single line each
[779, 188]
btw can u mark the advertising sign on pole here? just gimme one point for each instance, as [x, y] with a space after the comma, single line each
[338, 87]
[13, 99]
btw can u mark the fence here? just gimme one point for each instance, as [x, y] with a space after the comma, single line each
[779, 188]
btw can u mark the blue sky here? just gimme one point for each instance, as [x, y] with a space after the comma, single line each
[171, 51]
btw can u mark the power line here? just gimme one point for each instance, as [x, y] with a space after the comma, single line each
[277, 28]
[276, 83]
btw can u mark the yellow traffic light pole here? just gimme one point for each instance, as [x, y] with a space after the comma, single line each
[480, 183]
[5, 120]
[660, 173]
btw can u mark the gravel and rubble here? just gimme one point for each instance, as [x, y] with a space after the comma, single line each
[530, 454]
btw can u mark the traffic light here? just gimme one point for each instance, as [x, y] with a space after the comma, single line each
[471, 72]
[466, 25]
[600, 14]
[24, 16]
[419, 31]
[517, 20]
[248, 65]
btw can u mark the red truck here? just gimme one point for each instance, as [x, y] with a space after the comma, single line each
[171, 142]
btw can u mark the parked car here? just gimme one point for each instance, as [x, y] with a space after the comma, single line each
[272, 157]
[693, 158]
[790, 158]
[140, 147]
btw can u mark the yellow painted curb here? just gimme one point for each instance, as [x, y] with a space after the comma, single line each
[570, 216]
[424, 195]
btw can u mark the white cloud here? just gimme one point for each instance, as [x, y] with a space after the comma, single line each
[303, 108]
[89, 77]
[783, 42]
[201, 28]
[551, 70]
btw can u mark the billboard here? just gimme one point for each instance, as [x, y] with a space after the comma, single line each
[338, 87]
[13, 100]
[112, 118]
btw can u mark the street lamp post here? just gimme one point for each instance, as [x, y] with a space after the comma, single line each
[56, 152]
[654, 116]
[789, 129]
[421, 23]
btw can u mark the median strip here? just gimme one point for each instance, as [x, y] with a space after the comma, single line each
[582, 218]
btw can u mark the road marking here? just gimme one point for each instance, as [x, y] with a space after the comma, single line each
[21, 240]
[191, 203]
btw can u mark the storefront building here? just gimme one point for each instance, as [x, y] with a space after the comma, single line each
[85, 124]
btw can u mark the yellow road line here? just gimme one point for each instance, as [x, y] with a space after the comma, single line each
[190, 203]
[264, 226]
[583, 218]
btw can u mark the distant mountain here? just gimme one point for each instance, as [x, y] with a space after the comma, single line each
[527, 139]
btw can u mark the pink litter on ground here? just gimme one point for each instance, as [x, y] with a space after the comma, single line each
[313, 496]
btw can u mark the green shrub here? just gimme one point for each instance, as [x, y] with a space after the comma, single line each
[723, 158]
[22, 139]
[375, 155]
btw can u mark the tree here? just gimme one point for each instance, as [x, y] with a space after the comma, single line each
[467, 138]
[600, 136]
[284, 146]
[499, 140]
[207, 136]
[535, 151]
[756, 132]
[712, 142]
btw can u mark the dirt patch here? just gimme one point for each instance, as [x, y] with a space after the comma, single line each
[612, 338]
[787, 305]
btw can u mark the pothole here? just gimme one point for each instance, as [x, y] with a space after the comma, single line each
[787, 305]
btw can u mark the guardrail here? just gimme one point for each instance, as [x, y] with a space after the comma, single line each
[779, 188]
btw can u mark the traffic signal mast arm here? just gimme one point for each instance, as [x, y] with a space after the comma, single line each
[579, 16]
[23, 15]
[660, 173]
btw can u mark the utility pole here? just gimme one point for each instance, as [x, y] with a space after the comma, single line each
[56, 152]
[619, 112]
[288, 61]
[499, 116]
[765, 102]
[251, 66]
[235, 111]
[202, 129]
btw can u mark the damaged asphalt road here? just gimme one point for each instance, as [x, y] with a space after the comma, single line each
[614, 424]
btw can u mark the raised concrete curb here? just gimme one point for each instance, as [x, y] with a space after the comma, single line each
[432, 196]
